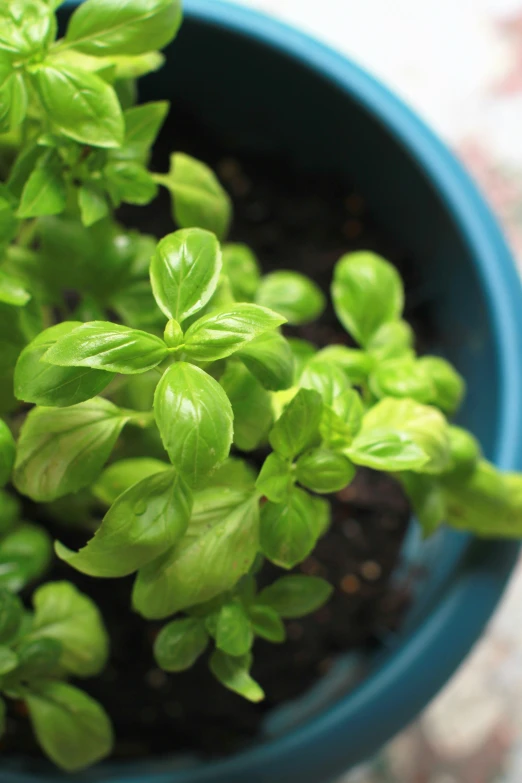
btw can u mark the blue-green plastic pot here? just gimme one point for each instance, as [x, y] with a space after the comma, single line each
[263, 85]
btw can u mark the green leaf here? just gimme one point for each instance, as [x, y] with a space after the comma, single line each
[234, 634]
[46, 384]
[342, 420]
[267, 624]
[7, 453]
[38, 658]
[185, 271]
[8, 660]
[104, 27]
[276, 478]
[325, 378]
[402, 435]
[25, 555]
[298, 426]
[45, 192]
[11, 612]
[289, 530]
[72, 729]
[80, 105]
[10, 509]
[63, 613]
[107, 346]
[295, 596]
[142, 523]
[403, 377]
[233, 673]
[486, 503]
[391, 341]
[129, 181]
[26, 27]
[93, 204]
[61, 450]
[242, 269]
[449, 386]
[293, 295]
[180, 643]
[270, 358]
[324, 471]
[122, 475]
[219, 334]
[142, 125]
[465, 453]
[198, 198]
[367, 292]
[12, 290]
[356, 364]
[13, 95]
[217, 550]
[251, 406]
[195, 420]
[234, 473]
[427, 498]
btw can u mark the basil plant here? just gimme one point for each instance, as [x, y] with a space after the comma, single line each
[149, 396]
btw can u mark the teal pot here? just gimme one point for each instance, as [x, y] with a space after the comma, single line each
[267, 86]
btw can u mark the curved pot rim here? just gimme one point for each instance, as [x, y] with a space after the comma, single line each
[413, 672]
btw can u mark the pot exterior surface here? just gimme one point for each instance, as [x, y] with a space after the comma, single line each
[261, 85]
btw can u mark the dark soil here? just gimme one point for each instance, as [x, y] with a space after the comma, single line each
[305, 222]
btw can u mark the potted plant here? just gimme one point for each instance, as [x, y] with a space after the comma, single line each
[157, 420]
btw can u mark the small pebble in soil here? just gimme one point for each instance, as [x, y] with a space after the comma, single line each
[350, 584]
[371, 570]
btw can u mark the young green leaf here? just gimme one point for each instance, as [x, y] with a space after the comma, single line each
[180, 643]
[293, 295]
[295, 596]
[61, 450]
[235, 474]
[233, 673]
[242, 269]
[402, 435]
[276, 478]
[46, 384]
[122, 475]
[427, 498]
[195, 420]
[25, 555]
[449, 386]
[402, 377]
[219, 334]
[62, 613]
[325, 378]
[367, 292]
[26, 28]
[214, 554]
[7, 453]
[79, 104]
[198, 198]
[324, 471]
[391, 341]
[289, 530]
[465, 453]
[102, 27]
[341, 421]
[251, 406]
[129, 181]
[38, 658]
[142, 523]
[303, 351]
[10, 510]
[8, 660]
[11, 612]
[73, 729]
[270, 358]
[142, 125]
[184, 272]
[107, 346]
[45, 192]
[93, 203]
[234, 633]
[267, 624]
[298, 426]
[356, 364]
[13, 95]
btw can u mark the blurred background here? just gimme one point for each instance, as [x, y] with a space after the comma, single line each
[458, 63]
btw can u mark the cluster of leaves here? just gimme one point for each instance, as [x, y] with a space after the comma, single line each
[152, 370]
